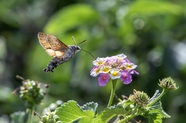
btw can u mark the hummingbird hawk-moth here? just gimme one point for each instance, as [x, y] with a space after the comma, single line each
[58, 50]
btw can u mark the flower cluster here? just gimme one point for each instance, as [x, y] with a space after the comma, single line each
[114, 67]
[31, 92]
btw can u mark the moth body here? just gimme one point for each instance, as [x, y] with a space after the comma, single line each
[70, 52]
[58, 59]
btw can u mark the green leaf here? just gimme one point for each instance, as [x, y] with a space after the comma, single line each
[90, 106]
[108, 114]
[157, 108]
[71, 111]
[156, 113]
[90, 110]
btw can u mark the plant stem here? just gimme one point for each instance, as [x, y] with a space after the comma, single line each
[158, 98]
[30, 115]
[129, 117]
[112, 92]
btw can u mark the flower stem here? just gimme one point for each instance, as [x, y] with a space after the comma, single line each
[158, 98]
[112, 92]
[30, 116]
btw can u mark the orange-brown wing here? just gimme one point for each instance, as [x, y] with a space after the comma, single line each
[43, 40]
[55, 43]
[53, 46]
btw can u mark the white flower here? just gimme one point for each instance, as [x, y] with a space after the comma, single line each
[114, 74]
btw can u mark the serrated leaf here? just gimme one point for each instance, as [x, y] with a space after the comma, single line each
[108, 114]
[90, 106]
[157, 108]
[90, 110]
[154, 119]
[156, 113]
[71, 111]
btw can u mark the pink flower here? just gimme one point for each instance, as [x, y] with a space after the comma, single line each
[125, 77]
[103, 79]
[115, 67]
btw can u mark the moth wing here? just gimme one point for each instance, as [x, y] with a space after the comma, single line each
[59, 47]
[53, 46]
[55, 43]
[43, 40]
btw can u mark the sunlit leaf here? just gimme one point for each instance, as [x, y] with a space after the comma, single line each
[90, 106]
[71, 111]
[108, 114]
[156, 113]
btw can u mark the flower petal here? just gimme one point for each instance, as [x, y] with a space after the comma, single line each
[114, 74]
[103, 79]
[126, 77]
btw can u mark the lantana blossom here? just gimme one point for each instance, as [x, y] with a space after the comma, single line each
[114, 67]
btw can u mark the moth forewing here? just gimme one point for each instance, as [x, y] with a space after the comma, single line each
[55, 43]
[43, 40]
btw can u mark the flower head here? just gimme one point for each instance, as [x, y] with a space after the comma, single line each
[113, 67]
[168, 84]
[139, 98]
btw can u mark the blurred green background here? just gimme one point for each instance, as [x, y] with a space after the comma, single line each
[151, 33]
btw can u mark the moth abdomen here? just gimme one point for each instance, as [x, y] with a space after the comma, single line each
[53, 64]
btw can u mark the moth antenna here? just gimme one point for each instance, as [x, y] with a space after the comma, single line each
[82, 49]
[88, 53]
[74, 40]
[82, 42]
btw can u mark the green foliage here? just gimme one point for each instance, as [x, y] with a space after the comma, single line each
[31, 93]
[71, 111]
[123, 112]
[109, 113]
[156, 112]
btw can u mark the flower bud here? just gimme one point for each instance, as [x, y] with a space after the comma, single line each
[168, 83]
[139, 98]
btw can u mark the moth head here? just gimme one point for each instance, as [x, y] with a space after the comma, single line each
[75, 48]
